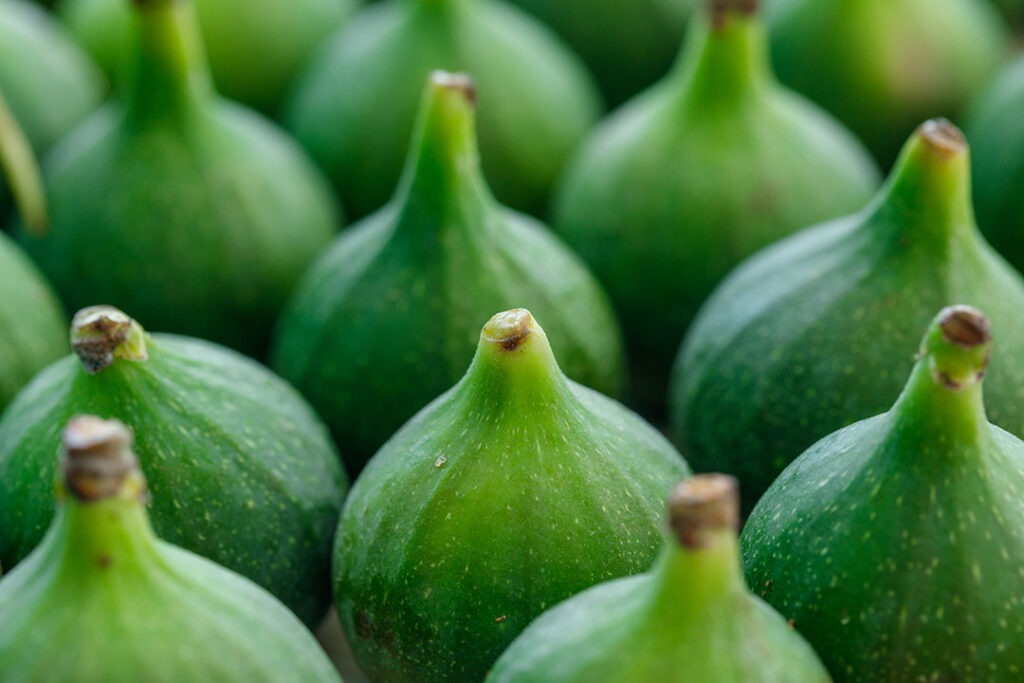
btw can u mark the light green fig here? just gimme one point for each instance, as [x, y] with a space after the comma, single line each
[894, 544]
[103, 600]
[443, 255]
[512, 491]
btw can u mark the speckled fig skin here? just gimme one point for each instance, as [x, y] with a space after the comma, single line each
[442, 256]
[194, 213]
[895, 545]
[995, 127]
[883, 66]
[690, 619]
[241, 469]
[103, 600]
[354, 108]
[512, 491]
[819, 331]
[256, 48]
[678, 186]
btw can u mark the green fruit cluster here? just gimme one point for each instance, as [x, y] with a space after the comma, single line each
[404, 449]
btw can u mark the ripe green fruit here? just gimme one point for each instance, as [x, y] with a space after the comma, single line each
[628, 44]
[817, 332]
[256, 48]
[713, 163]
[103, 600]
[883, 66]
[355, 106]
[49, 83]
[187, 210]
[690, 619]
[241, 469]
[512, 491]
[995, 128]
[442, 256]
[895, 543]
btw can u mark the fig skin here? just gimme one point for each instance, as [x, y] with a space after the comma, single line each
[256, 50]
[443, 255]
[102, 599]
[195, 214]
[242, 470]
[689, 619]
[512, 491]
[354, 107]
[818, 331]
[679, 185]
[895, 544]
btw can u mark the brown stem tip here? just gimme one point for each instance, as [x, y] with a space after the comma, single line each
[943, 136]
[455, 81]
[101, 333]
[97, 457]
[719, 9]
[965, 326]
[702, 505]
[509, 328]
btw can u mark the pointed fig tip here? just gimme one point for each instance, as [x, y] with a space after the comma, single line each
[509, 328]
[101, 333]
[460, 82]
[718, 9]
[97, 457]
[965, 326]
[943, 136]
[702, 505]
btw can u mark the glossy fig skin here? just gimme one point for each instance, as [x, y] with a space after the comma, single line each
[258, 70]
[102, 599]
[689, 619]
[819, 330]
[195, 214]
[883, 66]
[512, 491]
[443, 255]
[996, 132]
[242, 471]
[355, 107]
[679, 185]
[895, 544]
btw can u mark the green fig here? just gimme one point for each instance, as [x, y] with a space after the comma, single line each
[242, 470]
[684, 182]
[628, 44]
[256, 48]
[193, 213]
[355, 105]
[883, 66]
[816, 332]
[690, 619]
[50, 84]
[512, 491]
[442, 255]
[895, 544]
[995, 127]
[103, 600]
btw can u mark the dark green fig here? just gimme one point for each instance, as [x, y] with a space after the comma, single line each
[883, 66]
[817, 332]
[50, 84]
[354, 107]
[442, 256]
[103, 600]
[690, 619]
[713, 163]
[256, 48]
[193, 213]
[509, 493]
[241, 469]
[895, 545]
[628, 44]
[995, 128]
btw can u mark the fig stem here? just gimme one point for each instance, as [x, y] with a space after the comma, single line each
[701, 507]
[21, 169]
[101, 334]
[957, 347]
[97, 460]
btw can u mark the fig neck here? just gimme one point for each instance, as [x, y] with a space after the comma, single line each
[169, 78]
[690, 582]
[102, 334]
[442, 186]
[725, 59]
[942, 401]
[926, 199]
[514, 368]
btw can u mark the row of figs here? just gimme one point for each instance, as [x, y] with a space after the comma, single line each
[470, 508]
